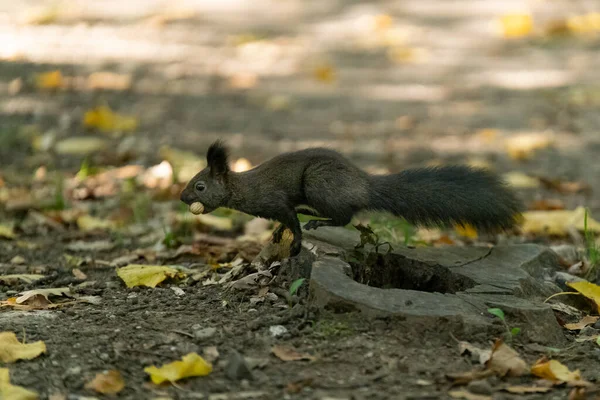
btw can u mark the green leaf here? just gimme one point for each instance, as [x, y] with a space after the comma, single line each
[497, 312]
[598, 340]
[296, 285]
[515, 331]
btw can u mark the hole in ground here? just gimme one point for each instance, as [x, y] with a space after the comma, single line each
[396, 271]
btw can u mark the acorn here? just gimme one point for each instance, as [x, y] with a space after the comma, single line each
[196, 208]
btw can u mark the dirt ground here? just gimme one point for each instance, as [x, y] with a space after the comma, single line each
[320, 76]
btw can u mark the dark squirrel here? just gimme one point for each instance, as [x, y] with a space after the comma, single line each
[333, 188]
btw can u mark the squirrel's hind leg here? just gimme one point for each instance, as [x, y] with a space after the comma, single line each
[316, 223]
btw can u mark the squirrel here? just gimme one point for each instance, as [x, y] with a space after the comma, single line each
[321, 182]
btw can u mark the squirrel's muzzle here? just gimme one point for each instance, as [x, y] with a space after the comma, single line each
[187, 197]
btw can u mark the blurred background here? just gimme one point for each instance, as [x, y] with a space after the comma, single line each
[94, 86]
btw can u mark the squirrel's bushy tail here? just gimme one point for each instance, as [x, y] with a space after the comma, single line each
[443, 196]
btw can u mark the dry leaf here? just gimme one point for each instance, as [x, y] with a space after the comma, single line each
[324, 73]
[547, 205]
[77, 273]
[6, 232]
[99, 245]
[88, 223]
[190, 365]
[482, 355]
[521, 181]
[585, 321]
[12, 350]
[557, 222]
[589, 290]
[147, 275]
[522, 146]
[506, 361]
[106, 120]
[521, 389]
[11, 392]
[80, 146]
[461, 378]
[49, 80]
[107, 382]
[46, 293]
[286, 353]
[555, 371]
[109, 81]
[14, 278]
[466, 230]
[516, 25]
[463, 394]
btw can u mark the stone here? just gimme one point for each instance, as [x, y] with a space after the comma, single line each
[205, 333]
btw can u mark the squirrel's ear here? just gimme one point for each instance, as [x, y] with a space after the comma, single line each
[216, 157]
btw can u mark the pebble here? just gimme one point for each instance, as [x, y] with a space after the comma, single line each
[480, 387]
[205, 333]
[277, 330]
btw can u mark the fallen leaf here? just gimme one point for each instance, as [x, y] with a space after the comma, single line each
[585, 321]
[521, 181]
[107, 382]
[80, 145]
[506, 361]
[106, 120]
[522, 146]
[522, 389]
[463, 394]
[482, 355]
[286, 353]
[190, 365]
[557, 222]
[108, 81]
[589, 290]
[516, 25]
[557, 372]
[12, 350]
[11, 392]
[6, 232]
[14, 278]
[146, 275]
[49, 80]
[324, 73]
[565, 187]
[99, 245]
[547, 205]
[77, 273]
[88, 223]
[46, 293]
[18, 260]
[466, 230]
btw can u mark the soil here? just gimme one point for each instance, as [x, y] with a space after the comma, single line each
[381, 114]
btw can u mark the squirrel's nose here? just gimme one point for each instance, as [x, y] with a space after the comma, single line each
[186, 197]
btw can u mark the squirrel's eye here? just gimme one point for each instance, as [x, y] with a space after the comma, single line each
[200, 186]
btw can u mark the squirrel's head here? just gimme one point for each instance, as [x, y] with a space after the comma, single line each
[209, 186]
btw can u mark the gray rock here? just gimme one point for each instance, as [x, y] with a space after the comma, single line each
[237, 368]
[480, 387]
[277, 330]
[205, 333]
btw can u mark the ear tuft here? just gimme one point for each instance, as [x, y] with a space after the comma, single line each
[217, 158]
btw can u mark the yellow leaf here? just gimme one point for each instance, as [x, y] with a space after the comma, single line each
[190, 365]
[46, 293]
[588, 289]
[585, 321]
[466, 230]
[7, 232]
[108, 382]
[516, 25]
[8, 391]
[109, 81]
[557, 222]
[555, 371]
[104, 119]
[522, 146]
[80, 145]
[324, 73]
[88, 223]
[521, 181]
[49, 80]
[506, 361]
[146, 275]
[12, 350]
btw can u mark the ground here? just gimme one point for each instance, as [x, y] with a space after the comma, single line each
[390, 84]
